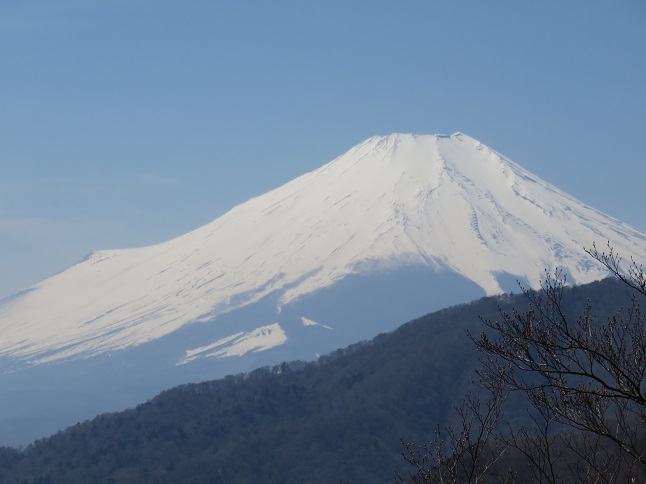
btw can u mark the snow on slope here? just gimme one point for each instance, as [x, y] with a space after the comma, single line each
[447, 202]
[239, 344]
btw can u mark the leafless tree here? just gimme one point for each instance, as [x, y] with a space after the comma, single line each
[583, 379]
[465, 455]
[583, 374]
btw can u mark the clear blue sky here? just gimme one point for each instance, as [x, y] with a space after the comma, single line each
[129, 122]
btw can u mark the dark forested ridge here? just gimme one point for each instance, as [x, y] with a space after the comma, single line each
[339, 418]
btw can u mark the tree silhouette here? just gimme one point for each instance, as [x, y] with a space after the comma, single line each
[583, 382]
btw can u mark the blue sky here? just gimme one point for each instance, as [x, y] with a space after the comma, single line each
[128, 122]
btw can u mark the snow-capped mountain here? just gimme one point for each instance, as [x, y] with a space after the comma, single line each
[397, 226]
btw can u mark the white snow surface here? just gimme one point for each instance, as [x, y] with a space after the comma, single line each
[309, 322]
[239, 344]
[448, 202]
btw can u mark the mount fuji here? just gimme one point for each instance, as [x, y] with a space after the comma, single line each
[394, 228]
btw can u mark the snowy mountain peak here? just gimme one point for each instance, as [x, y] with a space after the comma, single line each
[444, 202]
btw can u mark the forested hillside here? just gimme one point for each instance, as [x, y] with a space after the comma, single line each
[339, 418]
